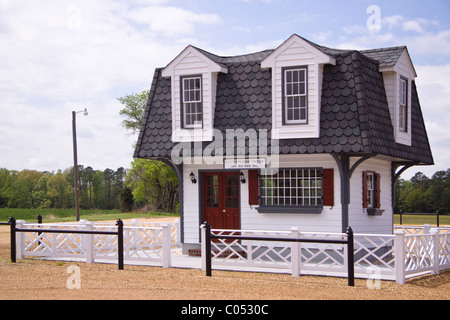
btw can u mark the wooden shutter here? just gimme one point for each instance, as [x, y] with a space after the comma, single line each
[364, 189]
[253, 187]
[378, 191]
[328, 187]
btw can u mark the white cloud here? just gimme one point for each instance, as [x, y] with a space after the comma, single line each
[412, 25]
[171, 21]
[59, 56]
[392, 21]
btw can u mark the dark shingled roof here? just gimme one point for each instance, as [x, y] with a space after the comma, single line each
[355, 115]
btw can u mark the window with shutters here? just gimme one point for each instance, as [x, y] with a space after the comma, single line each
[293, 190]
[372, 192]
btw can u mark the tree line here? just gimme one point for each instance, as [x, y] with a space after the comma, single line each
[125, 189]
[422, 194]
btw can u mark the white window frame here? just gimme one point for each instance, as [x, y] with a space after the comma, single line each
[191, 97]
[291, 187]
[403, 105]
[295, 102]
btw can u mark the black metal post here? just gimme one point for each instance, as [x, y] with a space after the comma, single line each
[39, 219]
[119, 225]
[208, 248]
[401, 217]
[437, 218]
[350, 258]
[12, 223]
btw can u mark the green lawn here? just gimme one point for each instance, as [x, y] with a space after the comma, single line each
[416, 219]
[66, 215]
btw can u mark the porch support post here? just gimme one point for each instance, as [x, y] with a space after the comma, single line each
[178, 169]
[346, 172]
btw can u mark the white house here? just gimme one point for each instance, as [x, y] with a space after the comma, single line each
[302, 135]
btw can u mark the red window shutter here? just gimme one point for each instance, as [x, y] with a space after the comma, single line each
[328, 187]
[364, 189]
[378, 190]
[253, 187]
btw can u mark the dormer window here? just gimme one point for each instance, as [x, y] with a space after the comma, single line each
[191, 97]
[295, 95]
[403, 109]
[297, 70]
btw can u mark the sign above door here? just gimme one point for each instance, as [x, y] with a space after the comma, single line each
[244, 164]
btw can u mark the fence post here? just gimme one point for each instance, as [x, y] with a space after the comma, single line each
[178, 232]
[399, 251]
[20, 240]
[119, 225]
[203, 246]
[435, 241]
[295, 252]
[437, 218]
[12, 223]
[89, 241]
[350, 257]
[39, 221]
[206, 247]
[166, 246]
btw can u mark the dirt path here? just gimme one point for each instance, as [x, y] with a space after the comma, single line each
[34, 279]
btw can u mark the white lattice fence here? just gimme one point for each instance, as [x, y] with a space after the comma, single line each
[141, 243]
[392, 257]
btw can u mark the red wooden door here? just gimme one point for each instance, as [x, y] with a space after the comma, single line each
[221, 199]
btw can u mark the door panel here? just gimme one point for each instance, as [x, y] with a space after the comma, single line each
[221, 199]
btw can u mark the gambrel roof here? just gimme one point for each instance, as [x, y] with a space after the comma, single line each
[354, 116]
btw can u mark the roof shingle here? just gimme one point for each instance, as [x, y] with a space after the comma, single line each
[355, 115]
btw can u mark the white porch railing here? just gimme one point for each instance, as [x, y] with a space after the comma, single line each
[390, 257]
[149, 242]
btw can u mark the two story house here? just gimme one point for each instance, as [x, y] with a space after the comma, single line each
[301, 135]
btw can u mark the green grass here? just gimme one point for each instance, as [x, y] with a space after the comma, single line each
[67, 215]
[416, 219]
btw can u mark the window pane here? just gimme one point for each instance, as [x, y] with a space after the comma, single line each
[295, 76]
[302, 88]
[302, 75]
[288, 76]
[292, 187]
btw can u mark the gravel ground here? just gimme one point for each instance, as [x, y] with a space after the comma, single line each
[42, 280]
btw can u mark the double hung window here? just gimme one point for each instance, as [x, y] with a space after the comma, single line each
[403, 110]
[295, 97]
[191, 96]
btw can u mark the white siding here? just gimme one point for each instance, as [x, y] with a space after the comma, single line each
[359, 220]
[329, 220]
[391, 77]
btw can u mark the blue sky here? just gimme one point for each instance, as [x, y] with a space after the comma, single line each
[59, 56]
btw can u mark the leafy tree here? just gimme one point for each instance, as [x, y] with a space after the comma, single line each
[59, 191]
[154, 184]
[134, 110]
[126, 200]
